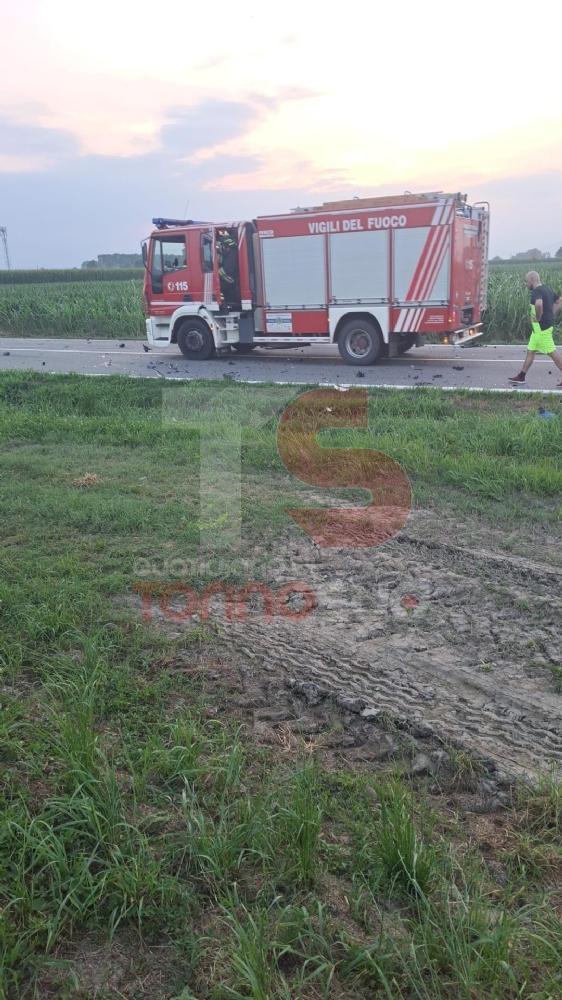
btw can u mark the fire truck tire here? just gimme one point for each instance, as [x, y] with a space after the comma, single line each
[195, 340]
[244, 348]
[406, 342]
[360, 341]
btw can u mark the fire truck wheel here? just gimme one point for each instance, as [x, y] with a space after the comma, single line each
[195, 340]
[406, 341]
[244, 348]
[360, 342]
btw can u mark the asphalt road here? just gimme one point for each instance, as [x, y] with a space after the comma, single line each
[476, 367]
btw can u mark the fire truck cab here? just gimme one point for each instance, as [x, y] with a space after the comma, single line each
[374, 275]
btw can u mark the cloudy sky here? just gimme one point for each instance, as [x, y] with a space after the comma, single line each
[115, 111]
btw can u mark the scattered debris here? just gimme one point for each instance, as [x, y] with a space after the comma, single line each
[121, 345]
[5, 353]
[84, 482]
[458, 368]
[360, 374]
[546, 414]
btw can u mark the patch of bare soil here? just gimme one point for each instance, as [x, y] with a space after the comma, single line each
[125, 968]
[474, 663]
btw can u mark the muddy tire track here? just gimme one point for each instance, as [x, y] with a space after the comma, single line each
[473, 663]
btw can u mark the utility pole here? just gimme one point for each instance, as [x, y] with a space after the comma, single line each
[4, 238]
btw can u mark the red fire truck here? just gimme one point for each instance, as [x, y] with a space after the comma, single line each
[374, 275]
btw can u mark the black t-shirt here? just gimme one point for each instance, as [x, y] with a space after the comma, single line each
[548, 299]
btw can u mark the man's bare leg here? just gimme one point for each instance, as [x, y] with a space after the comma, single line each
[529, 361]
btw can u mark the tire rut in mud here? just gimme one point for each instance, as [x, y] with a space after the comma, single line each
[471, 662]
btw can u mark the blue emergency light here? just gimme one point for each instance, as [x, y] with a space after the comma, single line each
[169, 223]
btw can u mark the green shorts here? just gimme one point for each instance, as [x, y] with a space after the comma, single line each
[542, 340]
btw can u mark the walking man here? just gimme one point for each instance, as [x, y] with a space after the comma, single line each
[544, 305]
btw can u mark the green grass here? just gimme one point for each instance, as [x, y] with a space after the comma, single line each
[134, 806]
[108, 309]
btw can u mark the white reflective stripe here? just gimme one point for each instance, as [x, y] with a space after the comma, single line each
[437, 214]
[430, 265]
[400, 321]
[301, 338]
[448, 213]
[427, 254]
[431, 270]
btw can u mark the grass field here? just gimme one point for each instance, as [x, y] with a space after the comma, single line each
[137, 807]
[112, 308]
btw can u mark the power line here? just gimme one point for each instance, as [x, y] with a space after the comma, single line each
[4, 238]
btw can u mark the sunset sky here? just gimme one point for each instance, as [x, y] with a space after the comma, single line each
[114, 111]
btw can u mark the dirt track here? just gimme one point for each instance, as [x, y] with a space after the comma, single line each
[469, 664]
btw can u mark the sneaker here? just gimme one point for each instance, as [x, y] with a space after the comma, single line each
[559, 385]
[516, 378]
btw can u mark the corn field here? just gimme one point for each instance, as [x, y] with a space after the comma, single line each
[108, 309]
[506, 320]
[43, 276]
[113, 309]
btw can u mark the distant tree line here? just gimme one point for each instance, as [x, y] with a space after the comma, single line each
[534, 254]
[106, 260]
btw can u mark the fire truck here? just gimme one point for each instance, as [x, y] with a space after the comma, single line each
[372, 275]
